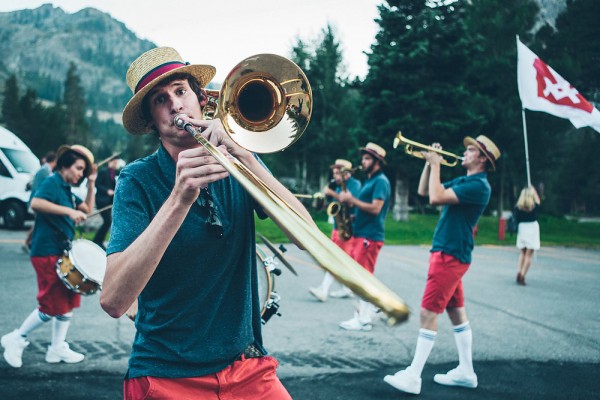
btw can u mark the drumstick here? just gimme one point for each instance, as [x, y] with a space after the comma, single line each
[115, 155]
[99, 211]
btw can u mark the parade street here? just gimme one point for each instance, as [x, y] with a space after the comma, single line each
[529, 342]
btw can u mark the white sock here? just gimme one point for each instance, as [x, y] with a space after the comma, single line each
[463, 336]
[425, 343]
[327, 282]
[60, 326]
[34, 320]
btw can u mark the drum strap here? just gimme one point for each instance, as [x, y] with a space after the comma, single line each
[66, 242]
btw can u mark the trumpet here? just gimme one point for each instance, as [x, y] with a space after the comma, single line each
[265, 105]
[409, 144]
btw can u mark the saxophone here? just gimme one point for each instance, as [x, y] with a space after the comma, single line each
[342, 215]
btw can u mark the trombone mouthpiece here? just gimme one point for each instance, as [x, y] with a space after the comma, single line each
[178, 122]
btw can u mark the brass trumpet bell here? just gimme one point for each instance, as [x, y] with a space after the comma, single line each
[265, 103]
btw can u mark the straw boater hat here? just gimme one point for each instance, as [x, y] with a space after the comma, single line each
[342, 164]
[375, 150]
[146, 72]
[83, 151]
[486, 146]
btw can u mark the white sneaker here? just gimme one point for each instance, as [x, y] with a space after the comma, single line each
[355, 324]
[456, 377]
[14, 344]
[405, 381]
[62, 352]
[344, 293]
[319, 293]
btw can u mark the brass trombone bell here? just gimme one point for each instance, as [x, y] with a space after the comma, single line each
[409, 146]
[265, 103]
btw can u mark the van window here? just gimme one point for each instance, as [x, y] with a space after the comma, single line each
[23, 161]
[4, 170]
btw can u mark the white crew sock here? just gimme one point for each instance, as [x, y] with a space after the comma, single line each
[463, 336]
[425, 343]
[34, 320]
[327, 282]
[60, 326]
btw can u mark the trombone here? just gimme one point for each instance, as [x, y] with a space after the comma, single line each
[409, 144]
[265, 105]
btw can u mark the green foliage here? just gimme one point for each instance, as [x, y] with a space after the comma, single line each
[418, 230]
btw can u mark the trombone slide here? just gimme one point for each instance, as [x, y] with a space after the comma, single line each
[327, 254]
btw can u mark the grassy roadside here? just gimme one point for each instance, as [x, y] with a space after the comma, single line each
[418, 230]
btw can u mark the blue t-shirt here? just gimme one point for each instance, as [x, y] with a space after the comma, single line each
[201, 308]
[353, 186]
[50, 230]
[454, 231]
[367, 225]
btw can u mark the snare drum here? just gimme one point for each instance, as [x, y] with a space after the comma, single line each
[269, 299]
[82, 268]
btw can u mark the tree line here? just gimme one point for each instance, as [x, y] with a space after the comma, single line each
[438, 71]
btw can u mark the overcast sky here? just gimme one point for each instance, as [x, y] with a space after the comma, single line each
[224, 32]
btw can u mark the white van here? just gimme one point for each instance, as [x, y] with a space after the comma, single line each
[18, 164]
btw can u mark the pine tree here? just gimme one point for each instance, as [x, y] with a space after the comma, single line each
[11, 114]
[77, 130]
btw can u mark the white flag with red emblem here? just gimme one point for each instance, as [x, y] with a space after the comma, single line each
[542, 89]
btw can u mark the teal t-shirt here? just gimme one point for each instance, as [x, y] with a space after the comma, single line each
[367, 225]
[454, 231]
[50, 230]
[200, 309]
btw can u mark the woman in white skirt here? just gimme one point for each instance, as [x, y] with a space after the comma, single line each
[528, 236]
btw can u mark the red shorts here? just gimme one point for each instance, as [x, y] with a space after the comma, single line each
[444, 283]
[365, 252]
[345, 245]
[248, 378]
[53, 296]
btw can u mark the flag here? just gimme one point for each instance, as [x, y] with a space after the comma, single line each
[542, 89]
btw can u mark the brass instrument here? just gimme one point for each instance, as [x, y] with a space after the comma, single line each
[318, 199]
[273, 122]
[341, 212]
[409, 144]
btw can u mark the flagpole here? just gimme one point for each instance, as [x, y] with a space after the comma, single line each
[526, 148]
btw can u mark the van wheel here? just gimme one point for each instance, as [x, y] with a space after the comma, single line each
[13, 215]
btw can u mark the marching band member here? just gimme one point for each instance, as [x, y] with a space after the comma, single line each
[57, 211]
[343, 180]
[464, 200]
[372, 203]
[183, 243]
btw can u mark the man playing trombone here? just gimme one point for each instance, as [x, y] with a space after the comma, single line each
[463, 199]
[343, 220]
[183, 244]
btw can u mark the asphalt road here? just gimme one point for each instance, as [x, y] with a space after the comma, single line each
[533, 342]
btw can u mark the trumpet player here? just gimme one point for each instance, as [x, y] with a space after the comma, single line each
[341, 234]
[371, 204]
[463, 199]
[182, 243]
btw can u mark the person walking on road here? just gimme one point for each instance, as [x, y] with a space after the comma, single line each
[105, 190]
[528, 233]
[57, 211]
[371, 205]
[463, 199]
[342, 181]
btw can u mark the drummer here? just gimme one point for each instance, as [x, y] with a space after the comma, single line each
[57, 211]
